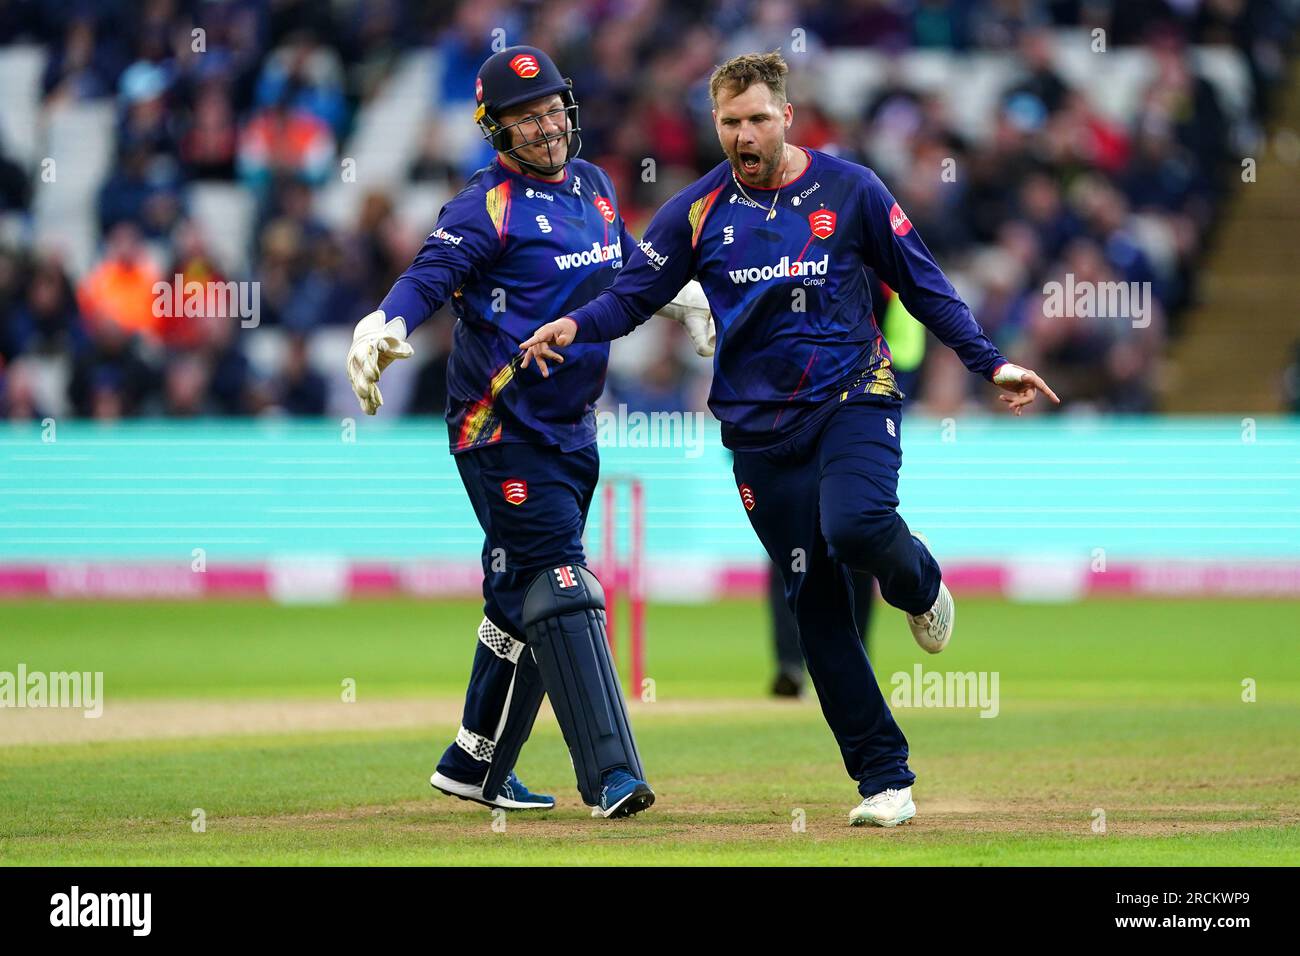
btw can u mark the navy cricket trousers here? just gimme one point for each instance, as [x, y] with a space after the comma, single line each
[532, 503]
[824, 505]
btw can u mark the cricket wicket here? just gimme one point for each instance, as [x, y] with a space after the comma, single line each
[618, 575]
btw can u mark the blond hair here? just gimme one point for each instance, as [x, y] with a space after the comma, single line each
[741, 72]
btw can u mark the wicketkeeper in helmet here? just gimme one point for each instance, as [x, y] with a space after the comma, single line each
[532, 236]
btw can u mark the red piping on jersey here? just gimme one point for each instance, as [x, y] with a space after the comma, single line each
[505, 216]
[539, 179]
[802, 378]
[768, 189]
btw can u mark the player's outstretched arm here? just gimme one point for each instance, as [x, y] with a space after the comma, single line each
[655, 272]
[464, 239]
[1024, 385]
[896, 252]
[689, 308]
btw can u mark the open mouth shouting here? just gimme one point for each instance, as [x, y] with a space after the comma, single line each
[750, 162]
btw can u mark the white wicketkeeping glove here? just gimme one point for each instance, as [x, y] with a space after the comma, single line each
[375, 344]
[691, 309]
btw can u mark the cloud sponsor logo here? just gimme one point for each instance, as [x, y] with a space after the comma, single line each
[805, 194]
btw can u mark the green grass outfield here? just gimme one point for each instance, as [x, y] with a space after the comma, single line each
[1131, 708]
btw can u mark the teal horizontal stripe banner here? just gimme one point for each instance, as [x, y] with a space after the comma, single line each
[1197, 488]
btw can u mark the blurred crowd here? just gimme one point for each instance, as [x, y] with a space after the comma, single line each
[266, 95]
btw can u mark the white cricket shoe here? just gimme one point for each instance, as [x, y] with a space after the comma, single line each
[513, 796]
[888, 808]
[933, 629]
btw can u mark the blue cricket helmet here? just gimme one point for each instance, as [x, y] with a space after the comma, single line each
[516, 75]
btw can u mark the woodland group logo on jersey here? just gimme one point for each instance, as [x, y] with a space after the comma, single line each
[898, 221]
[525, 65]
[606, 208]
[822, 222]
[589, 257]
[782, 270]
[657, 261]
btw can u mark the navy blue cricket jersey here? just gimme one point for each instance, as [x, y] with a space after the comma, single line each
[513, 252]
[795, 328]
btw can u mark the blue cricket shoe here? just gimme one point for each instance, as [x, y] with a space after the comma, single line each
[512, 796]
[622, 795]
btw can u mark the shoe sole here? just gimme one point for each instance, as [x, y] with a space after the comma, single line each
[952, 624]
[928, 647]
[442, 785]
[642, 798]
[898, 821]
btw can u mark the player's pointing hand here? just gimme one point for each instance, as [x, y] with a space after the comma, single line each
[558, 333]
[1024, 385]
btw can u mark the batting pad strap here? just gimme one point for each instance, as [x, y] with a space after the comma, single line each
[499, 642]
[476, 745]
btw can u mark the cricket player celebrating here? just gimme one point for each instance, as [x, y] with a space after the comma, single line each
[778, 237]
[536, 233]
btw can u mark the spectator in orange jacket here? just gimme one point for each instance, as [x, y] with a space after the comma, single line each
[120, 290]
